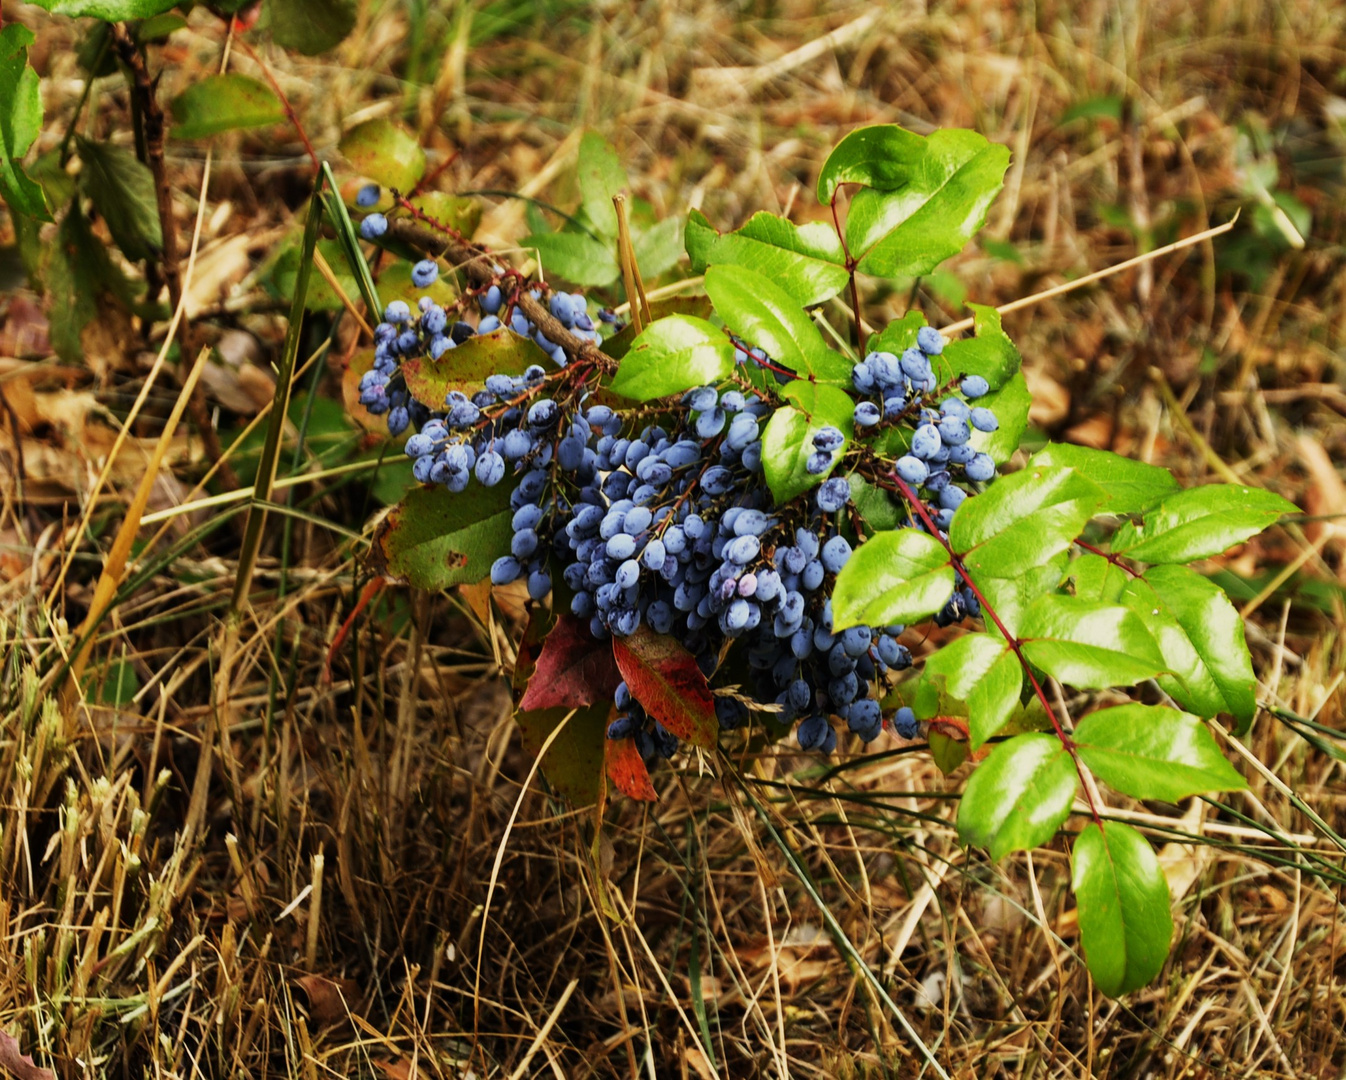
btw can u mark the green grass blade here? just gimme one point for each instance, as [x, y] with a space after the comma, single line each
[350, 244]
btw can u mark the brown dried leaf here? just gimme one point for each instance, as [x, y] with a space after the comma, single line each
[18, 1064]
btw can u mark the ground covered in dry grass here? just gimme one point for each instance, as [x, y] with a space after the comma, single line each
[308, 897]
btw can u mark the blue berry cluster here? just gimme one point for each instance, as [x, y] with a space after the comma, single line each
[570, 309]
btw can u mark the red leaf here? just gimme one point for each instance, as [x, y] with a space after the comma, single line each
[22, 1066]
[664, 678]
[573, 669]
[627, 771]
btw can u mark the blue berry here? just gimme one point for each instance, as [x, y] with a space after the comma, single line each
[373, 226]
[367, 196]
[912, 469]
[984, 419]
[930, 341]
[974, 386]
[424, 274]
[981, 468]
[904, 720]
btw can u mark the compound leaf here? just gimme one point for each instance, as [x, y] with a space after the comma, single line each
[467, 366]
[1123, 905]
[991, 354]
[627, 771]
[807, 261]
[309, 26]
[122, 188]
[879, 156]
[787, 442]
[573, 669]
[575, 257]
[386, 153]
[107, 10]
[1018, 796]
[20, 122]
[600, 176]
[1011, 404]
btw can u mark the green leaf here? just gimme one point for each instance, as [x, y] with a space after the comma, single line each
[1123, 903]
[573, 765]
[461, 213]
[1152, 752]
[224, 103]
[875, 506]
[20, 122]
[657, 247]
[113, 684]
[122, 188]
[981, 670]
[467, 366]
[699, 237]
[807, 261]
[991, 354]
[620, 343]
[880, 156]
[575, 257]
[437, 538]
[937, 202]
[600, 176]
[77, 270]
[895, 577]
[1132, 486]
[1010, 404]
[764, 314]
[107, 10]
[159, 27]
[1201, 636]
[1011, 597]
[1018, 796]
[899, 335]
[672, 355]
[1088, 645]
[1200, 523]
[386, 153]
[787, 441]
[1024, 520]
[1096, 578]
[309, 26]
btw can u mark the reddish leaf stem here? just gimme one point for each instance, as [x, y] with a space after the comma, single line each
[1116, 560]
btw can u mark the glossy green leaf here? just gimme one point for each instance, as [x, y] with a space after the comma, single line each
[787, 442]
[1132, 486]
[575, 257]
[436, 538]
[122, 188]
[1011, 597]
[981, 670]
[1152, 752]
[1095, 578]
[466, 367]
[880, 156]
[1123, 904]
[1200, 523]
[935, 206]
[1024, 520]
[894, 577]
[1089, 645]
[601, 176]
[672, 355]
[309, 26]
[899, 335]
[807, 261]
[1019, 795]
[20, 122]
[219, 103]
[386, 153]
[1011, 405]
[765, 315]
[876, 507]
[990, 354]
[699, 237]
[107, 10]
[1201, 636]
[620, 343]
[657, 247]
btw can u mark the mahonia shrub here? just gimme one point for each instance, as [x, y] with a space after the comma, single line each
[728, 518]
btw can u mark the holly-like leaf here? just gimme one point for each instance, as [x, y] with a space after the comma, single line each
[309, 26]
[467, 367]
[1018, 796]
[1200, 523]
[1153, 752]
[787, 442]
[1132, 486]
[664, 678]
[807, 261]
[1011, 404]
[937, 201]
[674, 354]
[575, 257]
[1024, 520]
[1201, 637]
[879, 156]
[573, 669]
[894, 577]
[600, 176]
[107, 10]
[437, 538]
[981, 670]
[1123, 904]
[627, 771]
[620, 343]
[122, 189]
[227, 102]
[991, 354]
[1097, 578]
[384, 152]
[765, 315]
[20, 122]
[1089, 645]
[1011, 597]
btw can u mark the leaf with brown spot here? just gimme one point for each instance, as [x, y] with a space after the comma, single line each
[435, 538]
[627, 771]
[328, 1001]
[573, 669]
[664, 678]
[21, 1065]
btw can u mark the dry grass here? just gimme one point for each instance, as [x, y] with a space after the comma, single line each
[318, 909]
